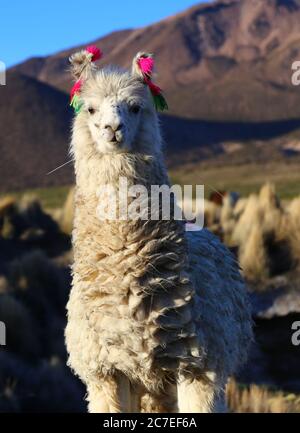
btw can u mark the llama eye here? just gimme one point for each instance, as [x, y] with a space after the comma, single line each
[91, 110]
[135, 109]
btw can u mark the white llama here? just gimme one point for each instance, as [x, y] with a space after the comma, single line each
[158, 318]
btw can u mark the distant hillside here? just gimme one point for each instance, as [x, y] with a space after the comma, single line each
[226, 60]
[54, 69]
[34, 134]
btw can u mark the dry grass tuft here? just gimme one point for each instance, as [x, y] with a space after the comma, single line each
[258, 399]
[7, 208]
[267, 197]
[6, 204]
[267, 234]
[292, 227]
[253, 257]
[251, 214]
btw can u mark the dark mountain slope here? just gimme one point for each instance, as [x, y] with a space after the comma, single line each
[34, 134]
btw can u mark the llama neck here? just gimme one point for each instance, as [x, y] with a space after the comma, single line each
[95, 170]
[104, 238]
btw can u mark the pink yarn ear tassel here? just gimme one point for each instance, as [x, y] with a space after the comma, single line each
[95, 51]
[76, 88]
[146, 66]
[75, 96]
[75, 102]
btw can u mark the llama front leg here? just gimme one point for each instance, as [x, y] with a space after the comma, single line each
[205, 395]
[111, 395]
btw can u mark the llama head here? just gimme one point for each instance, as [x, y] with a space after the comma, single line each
[117, 108]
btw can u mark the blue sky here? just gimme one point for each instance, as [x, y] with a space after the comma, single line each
[36, 28]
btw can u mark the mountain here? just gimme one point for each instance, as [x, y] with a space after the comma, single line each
[34, 134]
[54, 69]
[228, 60]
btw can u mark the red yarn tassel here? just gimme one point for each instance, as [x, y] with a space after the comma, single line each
[146, 65]
[95, 51]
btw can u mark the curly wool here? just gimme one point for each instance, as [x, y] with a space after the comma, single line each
[134, 307]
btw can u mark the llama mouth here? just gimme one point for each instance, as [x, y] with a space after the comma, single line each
[116, 141]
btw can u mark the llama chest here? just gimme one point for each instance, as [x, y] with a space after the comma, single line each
[136, 312]
[140, 339]
[125, 343]
[136, 299]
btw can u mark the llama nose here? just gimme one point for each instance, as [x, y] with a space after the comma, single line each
[114, 127]
[114, 132]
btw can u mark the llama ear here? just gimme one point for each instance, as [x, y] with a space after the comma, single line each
[82, 62]
[142, 65]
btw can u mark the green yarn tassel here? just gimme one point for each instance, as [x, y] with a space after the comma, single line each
[160, 102]
[76, 103]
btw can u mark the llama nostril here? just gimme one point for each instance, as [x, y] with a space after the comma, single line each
[114, 128]
[113, 132]
[120, 126]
